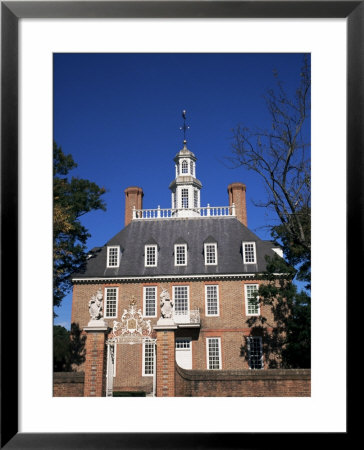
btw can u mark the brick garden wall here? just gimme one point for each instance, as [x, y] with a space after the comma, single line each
[243, 383]
[68, 384]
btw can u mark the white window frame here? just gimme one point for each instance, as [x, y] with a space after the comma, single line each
[249, 338]
[254, 250]
[247, 300]
[106, 300]
[208, 355]
[145, 301]
[205, 253]
[186, 204]
[217, 299]
[152, 344]
[184, 164]
[195, 198]
[109, 248]
[184, 340]
[174, 296]
[146, 255]
[175, 254]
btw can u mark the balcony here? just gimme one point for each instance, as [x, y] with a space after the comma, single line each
[187, 319]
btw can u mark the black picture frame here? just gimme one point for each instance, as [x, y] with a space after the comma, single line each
[11, 12]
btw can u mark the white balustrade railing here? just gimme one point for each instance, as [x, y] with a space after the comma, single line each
[171, 213]
[186, 317]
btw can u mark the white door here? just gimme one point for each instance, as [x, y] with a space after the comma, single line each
[184, 353]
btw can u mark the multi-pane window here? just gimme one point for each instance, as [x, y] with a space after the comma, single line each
[195, 198]
[249, 253]
[191, 168]
[111, 301]
[213, 353]
[113, 256]
[150, 255]
[210, 254]
[184, 167]
[255, 352]
[180, 297]
[183, 344]
[212, 300]
[180, 254]
[148, 358]
[251, 300]
[184, 198]
[150, 301]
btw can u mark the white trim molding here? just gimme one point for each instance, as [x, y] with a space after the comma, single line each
[211, 364]
[184, 246]
[208, 253]
[145, 290]
[146, 255]
[111, 256]
[216, 286]
[247, 297]
[248, 252]
[156, 278]
[107, 289]
[150, 344]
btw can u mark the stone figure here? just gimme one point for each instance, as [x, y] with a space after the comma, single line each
[166, 305]
[95, 306]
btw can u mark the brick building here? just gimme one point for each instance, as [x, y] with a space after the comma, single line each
[203, 259]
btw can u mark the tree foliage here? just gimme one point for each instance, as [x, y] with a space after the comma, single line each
[280, 156]
[72, 198]
[286, 332]
[68, 348]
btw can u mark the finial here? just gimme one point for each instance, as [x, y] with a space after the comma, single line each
[184, 127]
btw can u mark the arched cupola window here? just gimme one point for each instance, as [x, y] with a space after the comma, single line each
[184, 167]
[191, 168]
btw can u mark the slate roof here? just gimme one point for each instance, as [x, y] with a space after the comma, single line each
[227, 232]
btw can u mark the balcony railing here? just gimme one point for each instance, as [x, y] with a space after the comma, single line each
[171, 213]
[190, 317]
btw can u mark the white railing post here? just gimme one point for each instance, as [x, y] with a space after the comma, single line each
[134, 213]
[208, 209]
[159, 211]
[233, 209]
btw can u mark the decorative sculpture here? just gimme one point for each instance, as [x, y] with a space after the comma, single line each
[95, 306]
[166, 305]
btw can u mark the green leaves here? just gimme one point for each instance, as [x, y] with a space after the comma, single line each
[68, 348]
[72, 198]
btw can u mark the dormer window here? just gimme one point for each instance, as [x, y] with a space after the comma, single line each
[210, 254]
[180, 255]
[113, 256]
[249, 253]
[151, 256]
[184, 167]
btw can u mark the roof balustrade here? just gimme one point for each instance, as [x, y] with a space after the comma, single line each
[172, 213]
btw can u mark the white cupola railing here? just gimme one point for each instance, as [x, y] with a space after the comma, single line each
[174, 213]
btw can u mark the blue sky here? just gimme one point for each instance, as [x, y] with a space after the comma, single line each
[119, 115]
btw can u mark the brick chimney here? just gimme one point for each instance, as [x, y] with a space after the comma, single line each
[237, 196]
[133, 197]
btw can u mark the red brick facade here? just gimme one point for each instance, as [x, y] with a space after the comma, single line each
[95, 365]
[236, 193]
[230, 326]
[68, 384]
[243, 383]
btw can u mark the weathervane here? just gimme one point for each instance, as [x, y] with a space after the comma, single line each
[184, 127]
